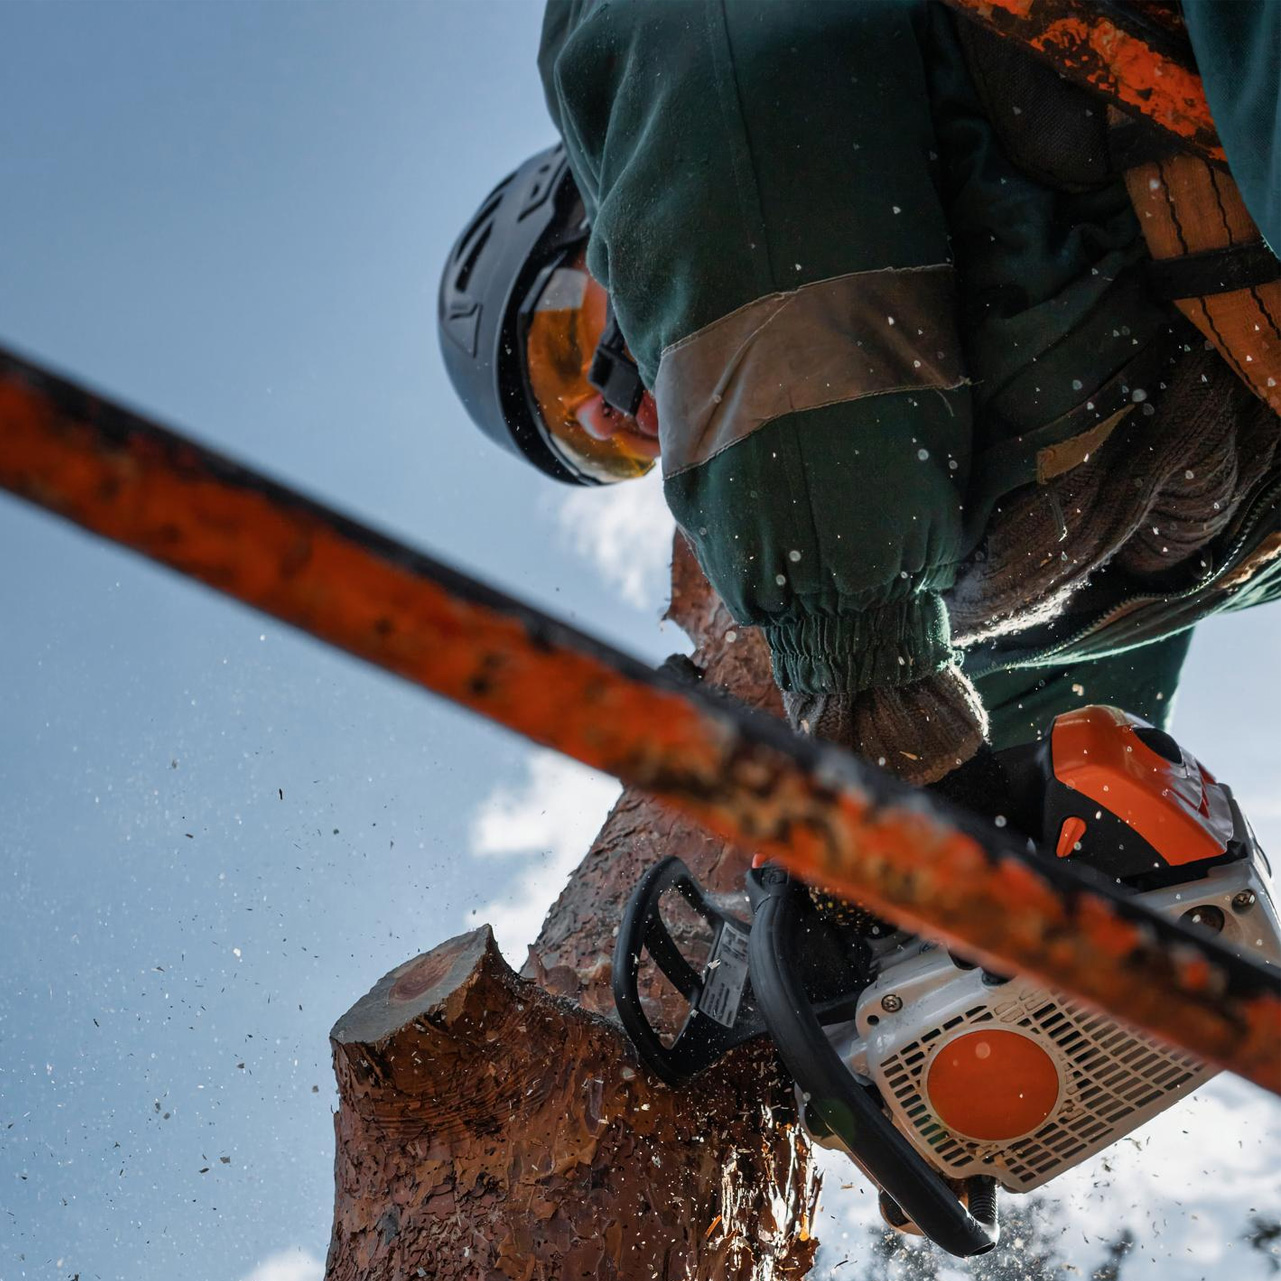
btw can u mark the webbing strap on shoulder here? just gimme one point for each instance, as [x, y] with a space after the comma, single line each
[1214, 271]
[1139, 61]
[1209, 258]
[1188, 205]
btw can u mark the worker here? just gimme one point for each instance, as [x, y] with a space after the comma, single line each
[869, 282]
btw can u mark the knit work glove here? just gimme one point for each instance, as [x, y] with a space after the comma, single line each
[1229, 454]
[929, 732]
[919, 731]
[1162, 486]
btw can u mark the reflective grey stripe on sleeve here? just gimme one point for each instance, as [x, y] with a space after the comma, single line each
[852, 336]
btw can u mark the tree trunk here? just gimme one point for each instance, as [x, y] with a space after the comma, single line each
[494, 1125]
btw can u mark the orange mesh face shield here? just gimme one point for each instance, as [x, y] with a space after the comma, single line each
[563, 323]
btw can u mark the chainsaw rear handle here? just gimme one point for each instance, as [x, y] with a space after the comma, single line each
[702, 1039]
[836, 1097]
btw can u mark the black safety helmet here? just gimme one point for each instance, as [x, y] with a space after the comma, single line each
[528, 225]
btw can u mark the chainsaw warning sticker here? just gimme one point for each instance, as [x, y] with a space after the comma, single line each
[725, 977]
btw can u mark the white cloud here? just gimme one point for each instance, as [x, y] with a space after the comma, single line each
[1264, 813]
[1186, 1184]
[550, 819]
[625, 531]
[294, 1264]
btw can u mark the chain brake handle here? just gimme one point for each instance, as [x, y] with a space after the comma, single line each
[704, 1036]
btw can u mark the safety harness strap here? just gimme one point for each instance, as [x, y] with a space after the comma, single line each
[1215, 271]
[613, 372]
[1208, 256]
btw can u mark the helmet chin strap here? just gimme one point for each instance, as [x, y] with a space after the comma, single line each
[613, 372]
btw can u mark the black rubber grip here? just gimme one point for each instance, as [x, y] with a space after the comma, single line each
[702, 1039]
[1217, 271]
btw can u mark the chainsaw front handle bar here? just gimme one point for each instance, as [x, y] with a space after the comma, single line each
[702, 1039]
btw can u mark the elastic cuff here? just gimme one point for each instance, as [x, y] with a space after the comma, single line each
[881, 648]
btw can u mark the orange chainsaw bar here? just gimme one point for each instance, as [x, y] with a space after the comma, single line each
[828, 817]
[1136, 55]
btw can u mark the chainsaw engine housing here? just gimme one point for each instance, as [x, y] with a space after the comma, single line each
[941, 1080]
[1005, 1078]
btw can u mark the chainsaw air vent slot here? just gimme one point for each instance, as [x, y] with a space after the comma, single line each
[1113, 1080]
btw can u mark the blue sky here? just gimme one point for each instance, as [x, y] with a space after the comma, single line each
[216, 835]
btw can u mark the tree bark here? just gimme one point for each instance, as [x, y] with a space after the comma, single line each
[499, 1126]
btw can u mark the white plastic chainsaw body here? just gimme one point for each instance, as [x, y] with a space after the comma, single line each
[1111, 1079]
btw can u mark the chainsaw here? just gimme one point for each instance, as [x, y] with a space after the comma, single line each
[941, 1080]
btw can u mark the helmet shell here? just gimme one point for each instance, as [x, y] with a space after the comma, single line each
[523, 228]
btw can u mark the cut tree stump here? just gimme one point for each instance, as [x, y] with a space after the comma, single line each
[499, 1126]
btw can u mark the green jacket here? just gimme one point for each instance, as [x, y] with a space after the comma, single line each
[861, 321]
